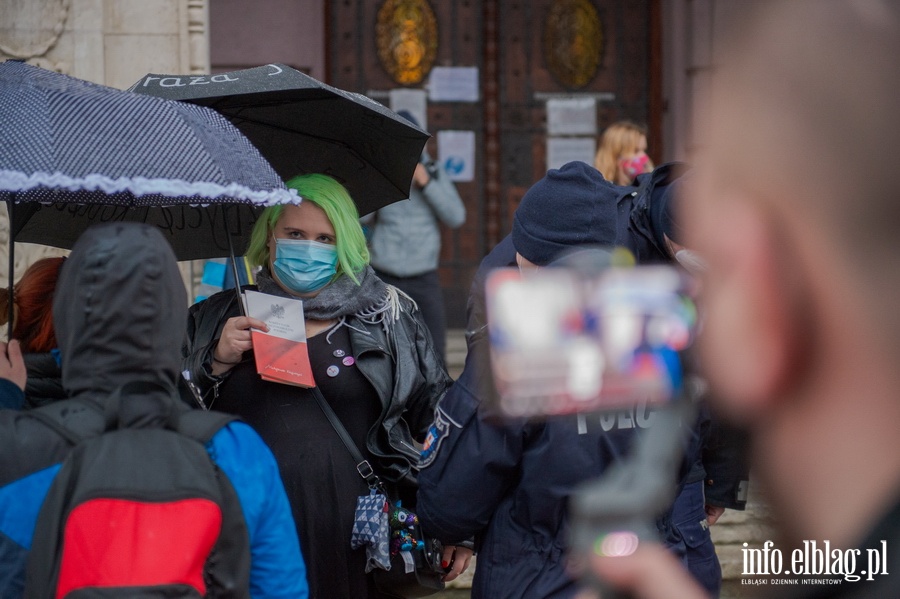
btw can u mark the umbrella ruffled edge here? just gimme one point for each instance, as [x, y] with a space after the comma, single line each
[182, 192]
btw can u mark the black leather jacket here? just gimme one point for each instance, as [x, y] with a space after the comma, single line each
[402, 366]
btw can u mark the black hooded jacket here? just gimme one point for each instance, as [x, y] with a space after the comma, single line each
[115, 301]
[118, 309]
[113, 327]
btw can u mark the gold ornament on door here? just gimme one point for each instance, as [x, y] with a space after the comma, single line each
[573, 42]
[407, 39]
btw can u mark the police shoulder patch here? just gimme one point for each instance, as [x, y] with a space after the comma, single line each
[437, 432]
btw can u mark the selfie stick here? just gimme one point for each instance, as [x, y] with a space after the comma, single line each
[613, 515]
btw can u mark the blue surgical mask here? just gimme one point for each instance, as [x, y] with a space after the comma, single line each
[304, 266]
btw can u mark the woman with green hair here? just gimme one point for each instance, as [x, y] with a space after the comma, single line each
[372, 359]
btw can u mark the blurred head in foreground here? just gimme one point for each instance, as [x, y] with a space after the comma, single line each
[797, 211]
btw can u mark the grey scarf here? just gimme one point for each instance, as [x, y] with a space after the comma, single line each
[370, 300]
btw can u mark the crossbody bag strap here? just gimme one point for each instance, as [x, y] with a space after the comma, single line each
[362, 464]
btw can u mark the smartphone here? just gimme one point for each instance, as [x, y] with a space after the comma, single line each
[565, 341]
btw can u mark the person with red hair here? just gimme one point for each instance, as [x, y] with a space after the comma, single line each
[33, 328]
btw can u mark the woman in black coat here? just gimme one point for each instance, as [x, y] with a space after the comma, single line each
[371, 356]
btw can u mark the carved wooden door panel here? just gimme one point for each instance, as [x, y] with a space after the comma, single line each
[526, 52]
[550, 49]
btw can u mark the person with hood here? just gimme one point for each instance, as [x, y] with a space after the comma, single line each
[405, 240]
[372, 361]
[113, 310]
[507, 482]
[33, 327]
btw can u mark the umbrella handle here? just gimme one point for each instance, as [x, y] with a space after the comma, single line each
[234, 271]
[12, 263]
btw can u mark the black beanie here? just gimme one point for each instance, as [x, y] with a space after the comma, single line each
[571, 206]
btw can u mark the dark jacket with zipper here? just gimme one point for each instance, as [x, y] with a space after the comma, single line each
[403, 367]
[718, 452]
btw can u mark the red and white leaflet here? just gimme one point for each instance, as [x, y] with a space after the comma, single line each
[281, 354]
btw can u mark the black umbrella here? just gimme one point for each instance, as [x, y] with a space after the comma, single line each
[75, 153]
[302, 125]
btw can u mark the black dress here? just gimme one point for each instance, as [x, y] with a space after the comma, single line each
[318, 472]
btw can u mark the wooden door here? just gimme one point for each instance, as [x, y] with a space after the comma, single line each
[522, 50]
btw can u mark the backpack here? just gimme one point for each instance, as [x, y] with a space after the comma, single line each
[138, 507]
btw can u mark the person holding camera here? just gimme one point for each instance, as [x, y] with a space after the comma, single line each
[405, 240]
[802, 336]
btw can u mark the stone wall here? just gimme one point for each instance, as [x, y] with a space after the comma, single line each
[112, 42]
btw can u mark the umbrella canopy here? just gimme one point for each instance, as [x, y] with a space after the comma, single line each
[302, 125]
[76, 153]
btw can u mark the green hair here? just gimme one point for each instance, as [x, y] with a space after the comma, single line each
[333, 199]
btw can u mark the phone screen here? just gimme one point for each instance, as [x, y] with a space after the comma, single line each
[563, 342]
